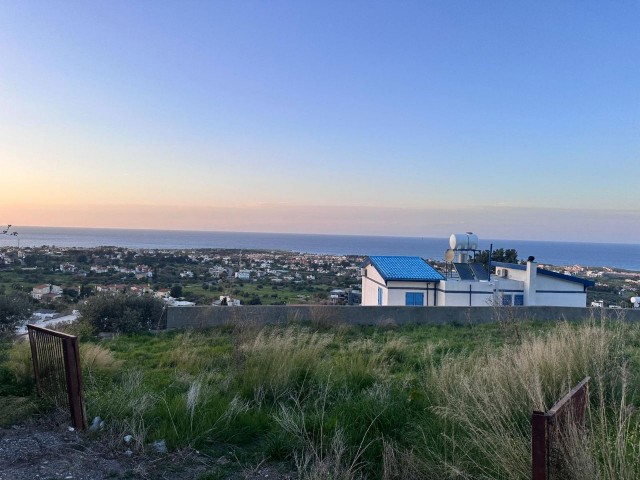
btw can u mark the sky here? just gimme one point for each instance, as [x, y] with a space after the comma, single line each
[517, 119]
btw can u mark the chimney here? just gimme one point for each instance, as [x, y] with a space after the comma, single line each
[530, 282]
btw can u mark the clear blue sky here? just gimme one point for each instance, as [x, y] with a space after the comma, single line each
[424, 118]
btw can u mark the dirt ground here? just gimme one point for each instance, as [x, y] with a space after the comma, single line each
[48, 449]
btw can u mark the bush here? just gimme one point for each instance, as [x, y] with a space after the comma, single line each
[13, 308]
[122, 313]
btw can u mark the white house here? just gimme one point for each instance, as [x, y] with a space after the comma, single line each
[396, 280]
[46, 291]
[243, 275]
[411, 281]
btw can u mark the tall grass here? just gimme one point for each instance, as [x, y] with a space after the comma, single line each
[486, 399]
[276, 361]
[410, 402]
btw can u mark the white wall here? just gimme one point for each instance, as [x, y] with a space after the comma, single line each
[455, 293]
[556, 292]
[398, 291]
[370, 287]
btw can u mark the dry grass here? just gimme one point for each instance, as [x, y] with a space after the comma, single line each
[489, 398]
[276, 359]
[96, 360]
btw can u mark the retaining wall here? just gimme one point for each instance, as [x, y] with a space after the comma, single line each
[202, 317]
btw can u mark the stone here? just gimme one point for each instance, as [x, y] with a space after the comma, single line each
[160, 446]
[95, 424]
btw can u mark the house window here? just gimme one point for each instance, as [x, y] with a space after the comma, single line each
[414, 299]
[379, 295]
[506, 300]
[518, 299]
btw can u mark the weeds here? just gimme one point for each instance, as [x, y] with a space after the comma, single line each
[409, 402]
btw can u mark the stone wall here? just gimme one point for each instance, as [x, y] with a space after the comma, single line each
[203, 317]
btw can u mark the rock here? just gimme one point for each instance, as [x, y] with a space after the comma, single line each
[95, 424]
[128, 438]
[101, 424]
[71, 429]
[128, 453]
[160, 446]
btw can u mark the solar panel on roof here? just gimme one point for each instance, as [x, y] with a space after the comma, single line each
[464, 271]
[479, 271]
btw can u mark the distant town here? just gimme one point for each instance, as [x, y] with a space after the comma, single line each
[59, 278]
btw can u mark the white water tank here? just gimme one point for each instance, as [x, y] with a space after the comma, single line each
[463, 241]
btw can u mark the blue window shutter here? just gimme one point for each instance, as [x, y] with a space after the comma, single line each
[414, 299]
[518, 299]
[506, 299]
[379, 295]
[408, 298]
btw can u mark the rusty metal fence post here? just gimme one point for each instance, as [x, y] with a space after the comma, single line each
[56, 367]
[547, 428]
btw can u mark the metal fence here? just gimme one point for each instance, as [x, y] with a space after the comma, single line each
[56, 366]
[551, 429]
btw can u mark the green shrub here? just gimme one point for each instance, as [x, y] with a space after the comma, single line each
[14, 307]
[122, 313]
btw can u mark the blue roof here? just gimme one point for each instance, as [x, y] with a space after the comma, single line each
[548, 273]
[404, 269]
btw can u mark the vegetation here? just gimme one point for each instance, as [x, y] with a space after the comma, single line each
[14, 307]
[347, 402]
[509, 255]
[122, 313]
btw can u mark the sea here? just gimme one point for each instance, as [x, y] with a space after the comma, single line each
[615, 255]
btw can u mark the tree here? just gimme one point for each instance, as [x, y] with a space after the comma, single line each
[122, 313]
[176, 291]
[510, 255]
[85, 290]
[14, 308]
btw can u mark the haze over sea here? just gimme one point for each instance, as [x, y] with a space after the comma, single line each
[615, 255]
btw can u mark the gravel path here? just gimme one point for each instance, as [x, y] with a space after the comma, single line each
[28, 452]
[48, 450]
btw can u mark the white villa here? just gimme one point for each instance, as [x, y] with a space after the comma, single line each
[411, 281]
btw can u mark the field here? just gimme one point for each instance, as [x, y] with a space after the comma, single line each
[346, 402]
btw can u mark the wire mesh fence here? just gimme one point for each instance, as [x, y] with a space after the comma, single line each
[56, 366]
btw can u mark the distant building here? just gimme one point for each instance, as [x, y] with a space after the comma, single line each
[243, 275]
[162, 293]
[46, 291]
[216, 271]
[226, 300]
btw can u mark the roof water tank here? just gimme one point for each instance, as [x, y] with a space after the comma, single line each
[463, 241]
